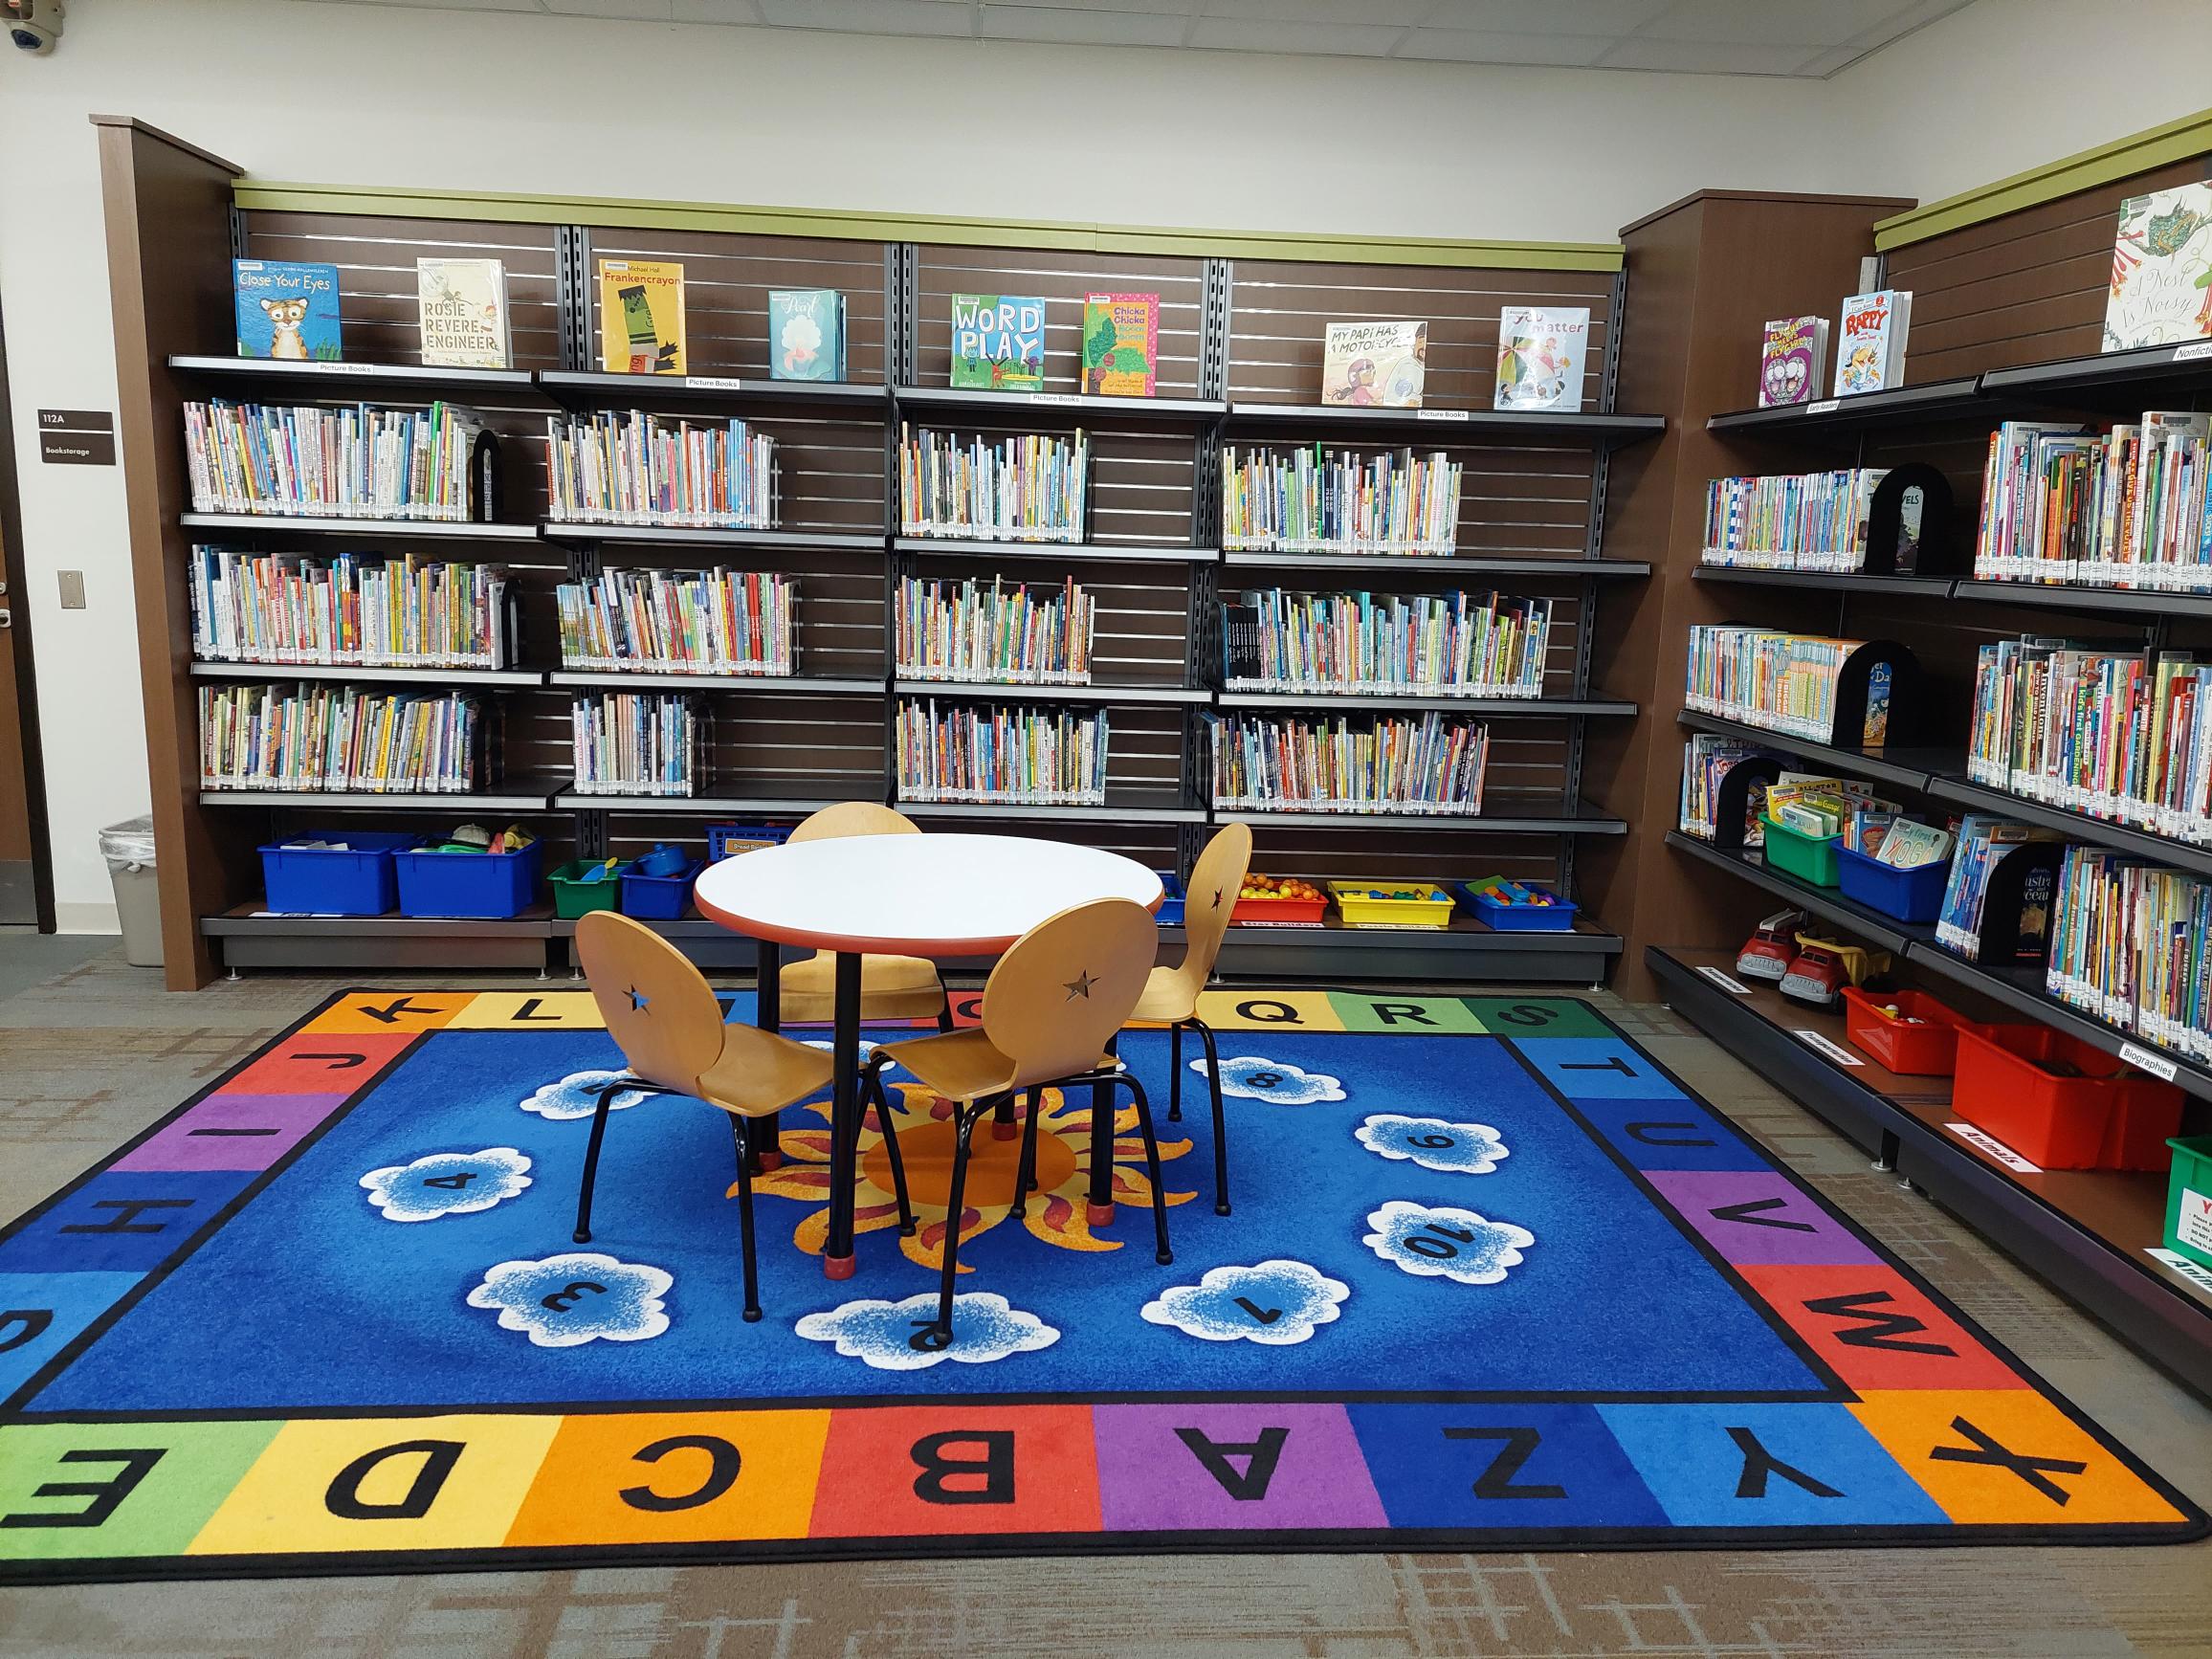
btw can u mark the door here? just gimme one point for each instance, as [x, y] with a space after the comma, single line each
[26, 879]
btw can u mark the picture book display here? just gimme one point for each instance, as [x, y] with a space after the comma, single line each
[1011, 635]
[1793, 360]
[300, 738]
[1982, 841]
[982, 752]
[641, 321]
[2161, 292]
[1312, 501]
[1032, 488]
[286, 310]
[2127, 508]
[704, 622]
[352, 461]
[805, 334]
[1870, 342]
[462, 307]
[1374, 365]
[1121, 344]
[1541, 352]
[350, 608]
[1791, 522]
[629, 468]
[635, 743]
[1707, 759]
[1455, 644]
[2131, 944]
[1430, 764]
[998, 342]
[1784, 682]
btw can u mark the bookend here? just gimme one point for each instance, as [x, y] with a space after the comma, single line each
[1909, 526]
[2016, 905]
[1735, 795]
[1881, 680]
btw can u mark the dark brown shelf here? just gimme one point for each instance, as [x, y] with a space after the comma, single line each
[596, 389]
[1059, 409]
[1906, 405]
[1476, 566]
[1056, 552]
[359, 381]
[1446, 428]
[1095, 692]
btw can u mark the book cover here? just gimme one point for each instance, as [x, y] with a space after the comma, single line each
[2161, 291]
[641, 317]
[1870, 342]
[286, 310]
[1374, 365]
[998, 342]
[805, 334]
[1540, 350]
[1793, 360]
[462, 307]
[1121, 344]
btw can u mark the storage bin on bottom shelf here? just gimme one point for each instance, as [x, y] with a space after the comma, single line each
[1280, 901]
[727, 840]
[351, 876]
[1170, 911]
[1807, 857]
[1392, 903]
[2189, 1200]
[2059, 1102]
[659, 897]
[1924, 1043]
[1908, 895]
[574, 896]
[1501, 916]
[483, 886]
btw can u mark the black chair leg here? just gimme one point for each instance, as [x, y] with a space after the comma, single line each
[944, 1022]
[1026, 1175]
[1220, 1121]
[872, 1088]
[956, 1197]
[1175, 1072]
[1152, 1168]
[599, 1114]
[745, 1243]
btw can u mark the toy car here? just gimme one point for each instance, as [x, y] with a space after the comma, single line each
[1766, 953]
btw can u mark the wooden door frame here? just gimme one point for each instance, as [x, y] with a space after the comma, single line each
[18, 603]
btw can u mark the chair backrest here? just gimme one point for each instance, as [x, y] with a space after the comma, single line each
[854, 818]
[1067, 985]
[657, 1007]
[1215, 880]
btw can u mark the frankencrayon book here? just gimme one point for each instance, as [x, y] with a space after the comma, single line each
[1121, 344]
[286, 310]
[641, 317]
[805, 334]
[462, 307]
[998, 342]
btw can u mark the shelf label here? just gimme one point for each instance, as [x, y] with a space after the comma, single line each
[2190, 353]
[1734, 988]
[711, 383]
[1996, 1148]
[2157, 1065]
[1840, 1055]
[1827, 405]
[1057, 399]
[347, 368]
[1440, 414]
[2195, 1272]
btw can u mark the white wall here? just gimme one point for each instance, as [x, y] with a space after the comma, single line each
[398, 95]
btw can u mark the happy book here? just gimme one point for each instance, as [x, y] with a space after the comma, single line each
[1121, 344]
[998, 342]
[1870, 342]
[641, 317]
[285, 310]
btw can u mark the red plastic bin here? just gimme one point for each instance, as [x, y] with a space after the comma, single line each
[1928, 1049]
[2111, 1117]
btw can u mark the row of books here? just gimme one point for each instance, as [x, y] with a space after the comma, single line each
[1014, 635]
[1707, 759]
[614, 468]
[1468, 645]
[2127, 508]
[1791, 522]
[349, 609]
[352, 461]
[1981, 843]
[989, 752]
[2131, 944]
[1311, 500]
[2125, 736]
[632, 744]
[1032, 488]
[1430, 764]
[1784, 682]
[704, 622]
[338, 738]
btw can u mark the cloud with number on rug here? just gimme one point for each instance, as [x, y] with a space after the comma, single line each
[1435, 1241]
[899, 1336]
[577, 1096]
[447, 1184]
[1275, 1303]
[579, 1297]
[1432, 1143]
[1250, 1078]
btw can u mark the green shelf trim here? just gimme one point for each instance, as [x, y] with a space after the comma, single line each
[2142, 152]
[615, 213]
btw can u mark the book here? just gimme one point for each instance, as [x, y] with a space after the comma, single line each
[1540, 350]
[2161, 292]
[1870, 342]
[286, 310]
[998, 342]
[805, 334]
[1793, 360]
[641, 317]
[1121, 344]
[462, 307]
[1374, 365]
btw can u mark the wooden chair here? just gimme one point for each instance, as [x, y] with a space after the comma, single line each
[663, 1014]
[1049, 1009]
[892, 988]
[1171, 993]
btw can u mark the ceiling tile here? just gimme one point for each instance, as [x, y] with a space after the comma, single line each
[1471, 46]
[1332, 39]
[1706, 57]
[1085, 27]
[449, 4]
[646, 10]
[1773, 22]
[1545, 16]
[1325, 11]
[871, 16]
[737, 12]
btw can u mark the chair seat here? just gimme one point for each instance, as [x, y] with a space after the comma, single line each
[758, 1072]
[1169, 995]
[959, 1065]
[892, 988]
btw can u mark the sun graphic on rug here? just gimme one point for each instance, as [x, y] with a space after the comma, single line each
[1058, 1212]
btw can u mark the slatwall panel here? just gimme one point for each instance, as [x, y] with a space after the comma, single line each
[1326, 854]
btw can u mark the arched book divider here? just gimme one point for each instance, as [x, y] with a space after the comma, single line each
[1878, 692]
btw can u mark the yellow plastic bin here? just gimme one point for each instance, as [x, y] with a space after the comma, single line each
[1392, 903]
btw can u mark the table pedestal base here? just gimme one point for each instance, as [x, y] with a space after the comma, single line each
[839, 1266]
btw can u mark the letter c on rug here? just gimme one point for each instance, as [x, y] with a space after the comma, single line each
[995, 1468]
[723, 1462]
[344, 1500]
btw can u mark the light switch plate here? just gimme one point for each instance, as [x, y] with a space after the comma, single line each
[71, 589]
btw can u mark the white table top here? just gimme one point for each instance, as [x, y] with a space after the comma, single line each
[927, 896]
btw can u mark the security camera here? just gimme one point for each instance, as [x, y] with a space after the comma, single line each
[35, 25]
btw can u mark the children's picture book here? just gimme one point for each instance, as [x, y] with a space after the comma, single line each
[286, 310]
[805, 334]
[1540, 350]
[641, 317]
[1374, 365]
[1793, 361]
[1870, 343]
[462, 305]
[998, 342]
[1121, 344]
[2161, 270]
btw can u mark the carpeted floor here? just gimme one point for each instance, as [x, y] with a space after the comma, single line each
[97, 1055]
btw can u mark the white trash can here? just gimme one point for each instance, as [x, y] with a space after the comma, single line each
[129, 851]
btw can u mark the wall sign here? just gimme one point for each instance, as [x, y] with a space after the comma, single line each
[76, 438]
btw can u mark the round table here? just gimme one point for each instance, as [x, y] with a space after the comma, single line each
[929, 895]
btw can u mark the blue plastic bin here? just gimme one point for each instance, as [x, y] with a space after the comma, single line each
[1557, 917]
[1170, 911]
[323, 881]
[488, 886]
[721, 835]
[659, 897]
[1908, 895]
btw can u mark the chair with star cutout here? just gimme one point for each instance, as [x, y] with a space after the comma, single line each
[1171, 993]
[892, 988]
[662, 1014]
[1049, 1009]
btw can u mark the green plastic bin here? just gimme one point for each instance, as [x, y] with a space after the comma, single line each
[1807, 857]
[573, 896]
[2189, 1200]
